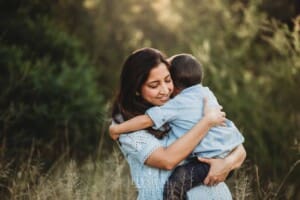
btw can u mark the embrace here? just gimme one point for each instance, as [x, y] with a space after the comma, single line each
[172, 131]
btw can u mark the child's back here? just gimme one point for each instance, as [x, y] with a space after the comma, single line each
[185, 110]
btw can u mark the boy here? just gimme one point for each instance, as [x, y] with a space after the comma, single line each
[182, 113]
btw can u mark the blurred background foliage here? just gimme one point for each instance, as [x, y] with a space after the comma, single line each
[60, 62]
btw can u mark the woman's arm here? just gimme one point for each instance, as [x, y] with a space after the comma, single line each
[137, 123]
[220, 168]
[169, 157]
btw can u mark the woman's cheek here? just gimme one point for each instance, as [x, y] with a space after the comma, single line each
[149, 94]
[171, 88]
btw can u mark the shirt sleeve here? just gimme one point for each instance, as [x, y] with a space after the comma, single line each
[139, 144]
[238, 135]
[212, 100]
[163, 114]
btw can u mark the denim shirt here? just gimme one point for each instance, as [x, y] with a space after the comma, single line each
[185, 110]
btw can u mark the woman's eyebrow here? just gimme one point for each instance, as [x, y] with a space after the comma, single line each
[169, 75]
[157, 81]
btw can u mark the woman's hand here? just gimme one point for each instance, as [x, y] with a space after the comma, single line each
[218, 171]
[220, 168]
[214, 115]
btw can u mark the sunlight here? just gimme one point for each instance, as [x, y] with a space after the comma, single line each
[90, 4]
[166, 14]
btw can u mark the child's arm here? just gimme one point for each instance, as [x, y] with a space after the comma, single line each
[137, 123]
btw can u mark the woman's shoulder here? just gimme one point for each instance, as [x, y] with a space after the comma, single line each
[137, 139]
[141, 136]
[138, 145]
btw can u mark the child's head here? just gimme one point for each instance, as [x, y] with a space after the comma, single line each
[185, 71]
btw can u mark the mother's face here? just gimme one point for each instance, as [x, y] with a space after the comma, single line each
[158, 88]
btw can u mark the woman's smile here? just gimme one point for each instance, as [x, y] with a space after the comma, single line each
[164, 99]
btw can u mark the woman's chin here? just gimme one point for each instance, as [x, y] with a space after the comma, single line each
[163, 101]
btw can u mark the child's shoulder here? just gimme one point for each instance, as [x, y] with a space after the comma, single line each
[198, 89]
[190, 94]
[205, 89]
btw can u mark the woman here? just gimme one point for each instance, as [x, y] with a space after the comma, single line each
[145, 82]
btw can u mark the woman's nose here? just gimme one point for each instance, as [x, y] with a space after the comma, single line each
[164, 89]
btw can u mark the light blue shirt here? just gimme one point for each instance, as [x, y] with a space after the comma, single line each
[149, 181]
[185, 110]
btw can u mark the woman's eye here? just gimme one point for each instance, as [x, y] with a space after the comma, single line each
[153, 86]
[168, 80]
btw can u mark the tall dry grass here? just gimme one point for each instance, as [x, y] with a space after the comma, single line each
[247, 184]
[109, 178]
[105, 178]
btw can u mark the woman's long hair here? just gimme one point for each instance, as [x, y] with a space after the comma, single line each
[136, 69]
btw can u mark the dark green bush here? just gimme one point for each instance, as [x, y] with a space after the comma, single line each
[49, 99]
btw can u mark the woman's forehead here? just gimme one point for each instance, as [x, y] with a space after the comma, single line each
[159, 72]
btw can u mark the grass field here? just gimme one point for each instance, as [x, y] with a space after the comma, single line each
[109, 178]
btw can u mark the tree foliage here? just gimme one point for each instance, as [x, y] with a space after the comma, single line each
[50, 101]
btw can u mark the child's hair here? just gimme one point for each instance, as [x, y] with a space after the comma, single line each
[185, 71]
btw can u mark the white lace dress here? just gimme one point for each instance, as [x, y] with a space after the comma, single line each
[149, 181]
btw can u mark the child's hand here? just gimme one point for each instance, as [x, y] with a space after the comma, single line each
[112, 132]
[214, 114]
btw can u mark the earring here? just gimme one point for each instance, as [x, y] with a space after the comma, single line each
[137, 94]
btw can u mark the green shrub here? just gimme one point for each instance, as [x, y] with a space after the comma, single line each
[49, 98]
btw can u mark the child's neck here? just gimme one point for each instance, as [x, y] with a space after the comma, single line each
[178, 90]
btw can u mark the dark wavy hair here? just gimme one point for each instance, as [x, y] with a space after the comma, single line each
[135, 72]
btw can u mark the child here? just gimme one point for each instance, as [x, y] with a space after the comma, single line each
[182, 113]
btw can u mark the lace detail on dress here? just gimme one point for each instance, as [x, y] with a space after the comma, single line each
[141, 143]
[151, 151]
